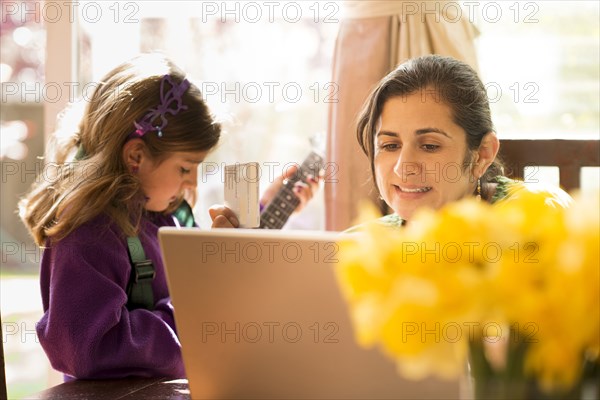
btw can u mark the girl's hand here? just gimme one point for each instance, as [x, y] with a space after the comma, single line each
[303, 191]
[223, 217]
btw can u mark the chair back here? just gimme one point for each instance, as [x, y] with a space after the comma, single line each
[568, 155]
[3, 395]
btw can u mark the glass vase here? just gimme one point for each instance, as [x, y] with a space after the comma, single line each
[485, 381]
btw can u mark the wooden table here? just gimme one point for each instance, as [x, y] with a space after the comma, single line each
[121, 389]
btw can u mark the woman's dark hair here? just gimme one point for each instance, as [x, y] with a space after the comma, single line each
[454, 82]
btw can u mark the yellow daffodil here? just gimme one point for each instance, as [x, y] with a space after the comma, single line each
[471, 272]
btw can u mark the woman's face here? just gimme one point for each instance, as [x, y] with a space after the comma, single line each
[420, 154]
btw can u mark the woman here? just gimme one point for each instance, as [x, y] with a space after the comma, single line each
[373, 38]
[428, 133]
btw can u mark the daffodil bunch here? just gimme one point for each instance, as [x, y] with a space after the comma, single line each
[519, 276]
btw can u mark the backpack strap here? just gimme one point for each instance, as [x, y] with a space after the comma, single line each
[139, 289]
[184, 215]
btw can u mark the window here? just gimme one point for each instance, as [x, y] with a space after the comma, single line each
[22, 62]
[263, 67]
[540, 61]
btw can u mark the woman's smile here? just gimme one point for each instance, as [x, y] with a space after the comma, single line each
[411, 193]
[408, 189]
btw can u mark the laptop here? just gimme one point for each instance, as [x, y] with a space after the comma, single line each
[260, 316]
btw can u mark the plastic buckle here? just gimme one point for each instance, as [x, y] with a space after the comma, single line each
[144, 270]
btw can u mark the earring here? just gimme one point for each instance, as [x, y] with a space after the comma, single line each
[478, 192]
[134, 169]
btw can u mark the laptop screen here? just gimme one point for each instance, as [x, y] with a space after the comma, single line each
[260, 315]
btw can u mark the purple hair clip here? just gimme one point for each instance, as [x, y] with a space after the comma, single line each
[165, 107]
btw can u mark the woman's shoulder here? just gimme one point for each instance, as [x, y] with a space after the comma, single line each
[388, 221]
[507, 189]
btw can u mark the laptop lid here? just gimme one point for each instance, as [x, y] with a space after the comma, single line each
[260, 315]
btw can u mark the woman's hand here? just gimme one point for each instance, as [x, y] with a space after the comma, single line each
[223, 217]
[303, 191]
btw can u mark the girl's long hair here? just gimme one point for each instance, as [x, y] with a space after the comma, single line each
[70, 192]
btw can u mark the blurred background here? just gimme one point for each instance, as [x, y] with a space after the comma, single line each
[266, 74]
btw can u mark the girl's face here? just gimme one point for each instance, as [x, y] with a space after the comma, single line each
[163, 182]
[420, 154]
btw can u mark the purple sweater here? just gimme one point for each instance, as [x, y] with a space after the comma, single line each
[86, 330]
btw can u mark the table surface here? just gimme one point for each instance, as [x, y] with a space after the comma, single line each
[118, 389]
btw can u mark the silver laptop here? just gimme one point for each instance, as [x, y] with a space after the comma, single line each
[260, 315]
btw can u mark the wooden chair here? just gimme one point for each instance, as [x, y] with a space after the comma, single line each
[3, 394]
[568, 155]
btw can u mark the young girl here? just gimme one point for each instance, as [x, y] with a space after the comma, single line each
[124, 174]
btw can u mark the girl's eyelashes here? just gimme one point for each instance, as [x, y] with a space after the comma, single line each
[185, 171]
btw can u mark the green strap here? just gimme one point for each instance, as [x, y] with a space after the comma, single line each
[80, 155]
[184, 215]
[139, 292]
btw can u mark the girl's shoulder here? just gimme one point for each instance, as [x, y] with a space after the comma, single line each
[100, 231]
[99, 246]
[159, 219]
